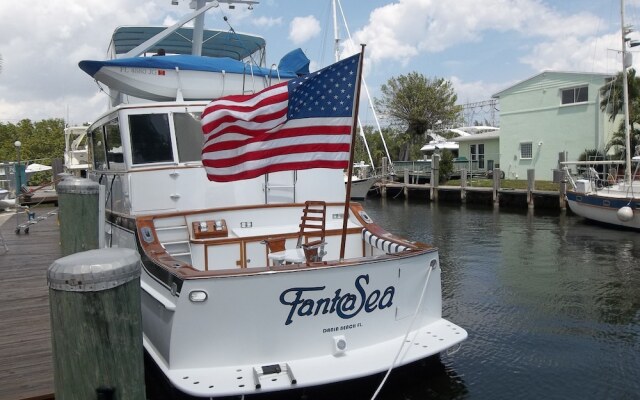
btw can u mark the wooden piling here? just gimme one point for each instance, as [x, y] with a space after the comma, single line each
[496, 186]
[79, 205]
[435, 176]
[531, 183]
[562, 180]
[96, 325]
[385, 173]
[463, 185]
[405, 189]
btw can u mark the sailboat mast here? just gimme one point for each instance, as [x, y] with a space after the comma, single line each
[336, 35]
[626, 63]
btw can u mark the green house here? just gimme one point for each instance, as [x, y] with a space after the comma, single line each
[479, 152]
[547, 114]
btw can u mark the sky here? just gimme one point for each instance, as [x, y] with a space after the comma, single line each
[481, 46]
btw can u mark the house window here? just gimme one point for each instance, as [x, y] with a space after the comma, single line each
[477, 155]
[575, 95]
[526, 150]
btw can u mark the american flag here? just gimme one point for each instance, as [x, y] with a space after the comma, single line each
[300, 124]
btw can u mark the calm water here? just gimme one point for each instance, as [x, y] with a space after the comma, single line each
[551, 305]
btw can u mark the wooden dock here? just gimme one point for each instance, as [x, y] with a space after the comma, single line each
[517, 198]
[26, 370]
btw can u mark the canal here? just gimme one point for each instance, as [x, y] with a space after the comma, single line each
[551, 304]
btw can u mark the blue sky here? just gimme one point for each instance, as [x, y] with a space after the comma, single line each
[482, 46]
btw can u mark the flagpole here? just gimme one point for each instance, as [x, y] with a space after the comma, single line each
[354, 127]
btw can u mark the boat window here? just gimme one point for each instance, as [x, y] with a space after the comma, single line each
[150, 138]
[189, 136]
[115, 156]
[97, 149]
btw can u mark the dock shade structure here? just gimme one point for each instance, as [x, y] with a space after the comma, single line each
[96, 324]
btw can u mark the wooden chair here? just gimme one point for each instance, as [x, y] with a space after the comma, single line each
[312, 226]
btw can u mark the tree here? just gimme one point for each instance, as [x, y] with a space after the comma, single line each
[414, 103]
[41, 141]
[612, 97]
[446, 165]
[613, 101]
[395, 143]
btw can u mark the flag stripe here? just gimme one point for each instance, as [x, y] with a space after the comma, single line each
[262, 138]
[247, 128]
[297, 166]
[234, 156]
[274, 164]
[245, 100]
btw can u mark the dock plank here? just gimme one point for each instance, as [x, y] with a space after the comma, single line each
[26, 371]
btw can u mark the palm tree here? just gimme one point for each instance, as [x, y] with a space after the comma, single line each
[611, 93]
[619, 143]
[612, 102]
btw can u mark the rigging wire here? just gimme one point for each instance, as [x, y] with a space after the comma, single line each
[366, 89]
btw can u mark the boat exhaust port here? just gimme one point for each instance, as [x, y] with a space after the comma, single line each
[339, 345]
[198, 296]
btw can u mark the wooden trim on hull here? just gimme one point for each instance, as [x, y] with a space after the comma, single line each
[171, 272]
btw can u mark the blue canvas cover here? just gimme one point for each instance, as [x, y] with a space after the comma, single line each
[186, 63]
[295, 61]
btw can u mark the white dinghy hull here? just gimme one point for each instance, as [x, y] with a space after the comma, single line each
[166, 84]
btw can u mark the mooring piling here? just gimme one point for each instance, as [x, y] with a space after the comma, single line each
[96, 325]
[79, 215]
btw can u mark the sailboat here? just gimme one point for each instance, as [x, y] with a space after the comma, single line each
[616, 204]
[257, 278]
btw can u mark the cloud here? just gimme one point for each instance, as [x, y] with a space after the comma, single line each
[470, 92]
[266, 22]
[404, 29]
[41, 50]
[303, 29]
[41, 47]
[570, 53]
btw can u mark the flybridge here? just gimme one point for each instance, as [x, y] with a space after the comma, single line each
[195, 64]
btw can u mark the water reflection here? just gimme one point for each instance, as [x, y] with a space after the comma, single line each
[551, 303]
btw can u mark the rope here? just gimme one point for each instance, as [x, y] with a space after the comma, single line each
[404, 340]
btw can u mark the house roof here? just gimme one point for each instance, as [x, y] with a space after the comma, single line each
[478, 136]
[515, 85]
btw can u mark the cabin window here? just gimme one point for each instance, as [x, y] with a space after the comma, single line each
[97, 149]
[575, 95]
[115, 156]
[150, 138]
[526, 150]
[189, 136]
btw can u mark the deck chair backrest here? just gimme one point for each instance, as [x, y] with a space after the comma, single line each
[312, 223]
